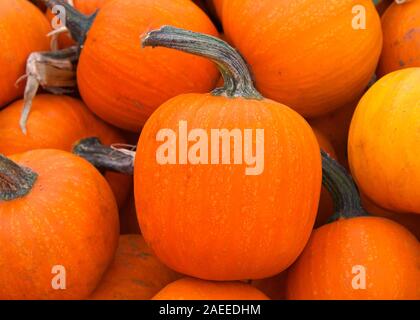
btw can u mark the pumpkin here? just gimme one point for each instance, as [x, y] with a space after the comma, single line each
[135, 274]
[384, 147]
[225, 220]
[58, 219]
[122, 83]
[401, 28]
[57, 122]
[355, 256]
[314, 65]
[196, 289]
[23, 29]
[325, 207]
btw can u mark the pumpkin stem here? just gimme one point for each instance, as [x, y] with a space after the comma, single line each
[55, 71]
[234, 69]
[76, 22]
[340, 185]
[104, 157]
[15, 181]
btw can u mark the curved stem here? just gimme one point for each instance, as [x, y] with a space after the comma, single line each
[15, 181]
[104, 157]
[234, 69]
[343, 190]
[76, 22]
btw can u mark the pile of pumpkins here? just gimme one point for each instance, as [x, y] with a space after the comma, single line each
[313, 74]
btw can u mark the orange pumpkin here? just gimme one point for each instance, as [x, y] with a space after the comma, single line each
[57, 122]
[135, 273]
[123, 83]
[58, 219]
[384, 148]
[356, 256]
[401, 28]
[196, 289]
[226, 221]
[23, 30]
[314, 55]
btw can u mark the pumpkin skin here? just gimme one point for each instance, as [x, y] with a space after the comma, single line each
[42, 229]
[388, 251]
[384, 147]
[124, 89]
[312, 65]
[23, 30]
[196, 289]
[401, 28]
[57, 122]
[214, 222]
[135, 273]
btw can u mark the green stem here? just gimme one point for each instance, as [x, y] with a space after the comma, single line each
[76, 22]
[15, 181]
[343, 190]
[104, 157]
[234, 69]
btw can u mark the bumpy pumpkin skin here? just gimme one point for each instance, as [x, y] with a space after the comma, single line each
[23, 30]
[123, 83]
[214, 222]
[388, 251]
[196, 289]
[384, 146]
[69, 218]
[135, 273]
[401, 28]
[57, 122]
[306, 55]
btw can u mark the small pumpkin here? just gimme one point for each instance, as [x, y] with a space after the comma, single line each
[384, 148]
[401, 28]
[135, 274]
[355, 256]
[122, 83]
[58, 219]
[248, 223]
[314, 56]
[196, 289]
[23, 29]
[57, 122]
